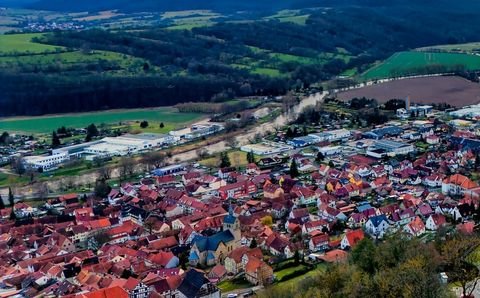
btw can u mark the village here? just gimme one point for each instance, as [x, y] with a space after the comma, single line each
[300, 203]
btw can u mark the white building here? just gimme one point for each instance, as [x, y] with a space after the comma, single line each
[45, 162]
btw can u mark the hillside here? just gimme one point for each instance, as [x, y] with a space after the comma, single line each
[217, 57]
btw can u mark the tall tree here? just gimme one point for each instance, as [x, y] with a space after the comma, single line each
[224, 160]
[294, 169]
[55, 140]
[250, 157]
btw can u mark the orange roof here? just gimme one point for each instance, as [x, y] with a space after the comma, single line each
[354, 236]
[114, 292]
[461, 181]
[335, 255]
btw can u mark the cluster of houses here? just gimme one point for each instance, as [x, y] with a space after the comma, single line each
[181, 232]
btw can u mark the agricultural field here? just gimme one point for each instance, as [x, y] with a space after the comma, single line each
[449, 89]
[46, 124]
[292, 16]
[472, 47]
[411, 63]
[22, 43]
[189, 19]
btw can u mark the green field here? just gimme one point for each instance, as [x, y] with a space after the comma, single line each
[463, 47]
[46, 124]
[22, 43]
[407, 63]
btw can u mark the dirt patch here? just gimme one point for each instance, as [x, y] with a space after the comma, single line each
[453, 90]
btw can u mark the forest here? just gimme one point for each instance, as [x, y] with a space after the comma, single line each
[395, 267]
[229, 59]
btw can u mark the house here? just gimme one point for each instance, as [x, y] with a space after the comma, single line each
[257, 272]
[113, 292]
[376, 226]
[233, 262]
[237, 190]
[196, 285]
[457, 185]
[318, 243]
[217, 273]
[415, 227]
[435, 221]
[351, 238]
[136, 289]
[316, 225]
[272, 191]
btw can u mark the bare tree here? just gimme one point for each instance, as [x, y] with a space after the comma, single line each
[41, 190]
[18, 165]
[127, 167]
[105, 172]
[153, 159]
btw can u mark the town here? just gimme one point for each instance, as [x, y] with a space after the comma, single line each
[304, 200]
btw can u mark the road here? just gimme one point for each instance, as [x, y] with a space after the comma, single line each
[55, 185]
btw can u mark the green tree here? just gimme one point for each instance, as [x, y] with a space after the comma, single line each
[162, 125]
[250, 157]
[55, 140]
[102, 189]
[294, 169]
[364, 256]
[320, 157]
[224, 160]
[11, 198]
[2, 204]
[144, 124]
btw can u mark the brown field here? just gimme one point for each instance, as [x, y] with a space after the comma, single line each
[453, 90]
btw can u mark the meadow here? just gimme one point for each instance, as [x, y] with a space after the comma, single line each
[409, 63]
[46, 124]
[22, 43]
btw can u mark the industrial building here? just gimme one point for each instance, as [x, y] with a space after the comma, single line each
[266, 148]
[382, 148]
[45, 162]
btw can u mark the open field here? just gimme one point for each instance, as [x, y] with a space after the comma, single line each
[22, 43]
[46, 124]
[102, 15]
[409, 63]
[237, 158]
[453, 90]
[463, 47]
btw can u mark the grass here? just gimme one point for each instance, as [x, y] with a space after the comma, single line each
[405, 62]
[266, 71]
[46, 124]
[68, 58]
[280, 274]
[237, 158]
[22, 43]
[231, 285]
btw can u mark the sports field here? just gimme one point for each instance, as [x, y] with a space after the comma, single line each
[46, 124]
[410, 63]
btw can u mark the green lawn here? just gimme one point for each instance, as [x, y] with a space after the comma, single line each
[280, 274]
[272, 72]
[406, 63]
[22, 43]
[231, 285]
[46, 124]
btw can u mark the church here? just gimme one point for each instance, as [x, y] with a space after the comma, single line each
[212, 250]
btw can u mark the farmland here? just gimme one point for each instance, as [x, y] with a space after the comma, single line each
[46, 124]
[470, 47]
[414, 62]
[22, 43]
[453, 90]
